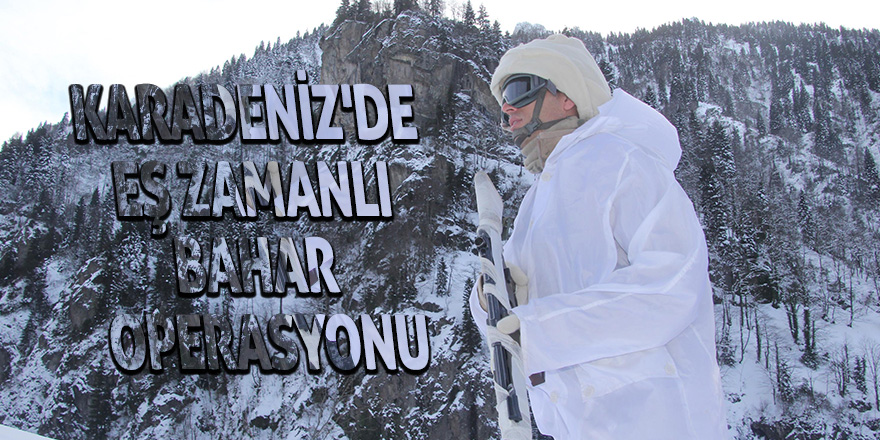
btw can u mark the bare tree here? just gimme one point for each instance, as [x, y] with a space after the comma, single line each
[383, 7]
[871, 351]
[455, 9]
[840, 369]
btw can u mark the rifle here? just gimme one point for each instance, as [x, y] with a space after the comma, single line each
[512, 401]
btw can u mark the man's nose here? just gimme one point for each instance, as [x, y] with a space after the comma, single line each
[507, 108]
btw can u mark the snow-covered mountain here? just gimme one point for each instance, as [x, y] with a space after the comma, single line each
[780, 128]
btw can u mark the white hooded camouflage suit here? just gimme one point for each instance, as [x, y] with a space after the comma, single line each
[620, 316]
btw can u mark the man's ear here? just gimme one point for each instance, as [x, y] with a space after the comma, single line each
[567, 104]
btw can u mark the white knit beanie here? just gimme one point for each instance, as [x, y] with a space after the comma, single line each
[563, 60]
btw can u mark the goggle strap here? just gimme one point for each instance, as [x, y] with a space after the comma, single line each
[520, 135]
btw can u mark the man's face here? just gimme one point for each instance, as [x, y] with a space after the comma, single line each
[555, 107]
[517, 117]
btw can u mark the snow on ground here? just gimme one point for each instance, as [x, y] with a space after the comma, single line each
[10, 433]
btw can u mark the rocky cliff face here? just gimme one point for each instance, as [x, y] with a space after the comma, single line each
[410, 49]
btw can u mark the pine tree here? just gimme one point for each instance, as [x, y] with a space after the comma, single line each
[801, 108]
[712, 205]
[809, 357]
[721, 154]
[681, 94]
[435, 7]
[783, 379]
[777, 115]
[497, 40]
[470, 336]
[871, 180]
[781, 85]
[483, 19]
[805, 221]
[826, 141]
[760, 125]
[442, 278]
[695, 127]
[663, 99]
[343, 12]
[363, 10]
[871, 67]
[859, 370]
[651, 98]
[608, 71]
[79, 218]
[754, 264]
[468, 17]
[404, 5]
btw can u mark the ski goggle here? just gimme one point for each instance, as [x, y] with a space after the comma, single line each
[522, 89]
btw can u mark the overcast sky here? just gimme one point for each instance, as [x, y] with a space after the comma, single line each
[47, 45]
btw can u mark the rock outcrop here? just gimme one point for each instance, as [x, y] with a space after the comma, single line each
[411, 49]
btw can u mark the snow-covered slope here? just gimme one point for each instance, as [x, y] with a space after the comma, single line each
[779, 126]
